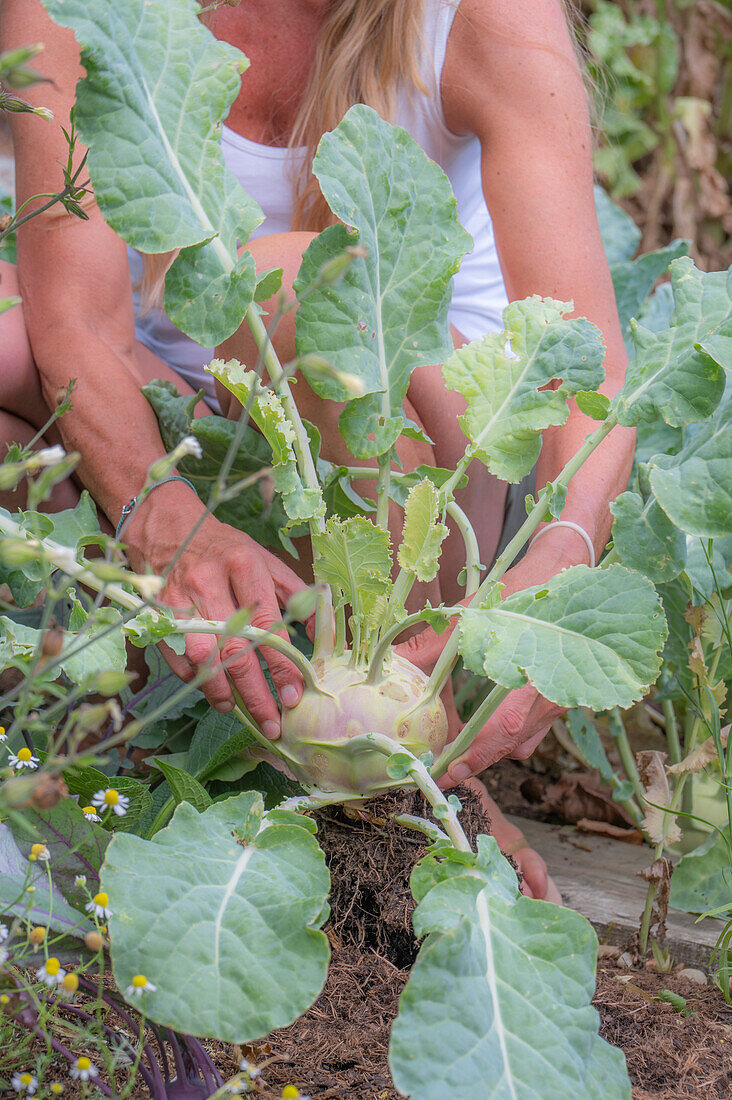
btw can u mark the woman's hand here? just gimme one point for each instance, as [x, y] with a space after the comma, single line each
[220, 571]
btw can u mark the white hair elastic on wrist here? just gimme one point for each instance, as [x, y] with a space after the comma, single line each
[573, 527]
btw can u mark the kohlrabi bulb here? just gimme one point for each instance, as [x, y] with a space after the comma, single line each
[316, 734]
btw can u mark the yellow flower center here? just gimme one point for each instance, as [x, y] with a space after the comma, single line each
[2, 731]
[56, 1088]
[52, 966]
[24, 754]
[38, 850]
[139, 981]
[289, 1092]
[101, 899]
[89, 810]
[4, 999]
[111, 798]
[70, 983]
[25, 1079]
[83, 1062]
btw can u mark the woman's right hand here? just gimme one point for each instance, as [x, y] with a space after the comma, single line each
[220, 571]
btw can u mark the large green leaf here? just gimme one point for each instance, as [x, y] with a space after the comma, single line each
[646, 539]
[301, 502]
[388, 314]
[509, 404]
[94, 643]
[498, 1003]
[422, 536]
[86, 781]
[353, 556]
[672, 376]
[184, 786]
[587, 638]
[77, 846]
[157, 86]
[222, 912]
[251, 510]
[694, 487]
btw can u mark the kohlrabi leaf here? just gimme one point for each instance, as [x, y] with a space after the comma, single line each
[91, 644]
[300, 502]
[498, 1003]
[694, 487]
[423, 534]
[589, 637]
[218, 739]
[44, 905]
[645, 537]
[353, 556]
[222, 912]
[505, 387]
[254, 508]
[388, 313]
[634, 280]
[671, 375]
[157, 86]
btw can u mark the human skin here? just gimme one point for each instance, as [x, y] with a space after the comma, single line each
[511, 78]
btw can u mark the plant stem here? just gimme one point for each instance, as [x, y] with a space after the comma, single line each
[306, 467]
[472, 550]
[446, 661]
[411, 821]
[258, 638]
[304, 803]
[382, 498]
[422, 779]
[620, 737]
[468, 733]
[390, 635]
[672, 731]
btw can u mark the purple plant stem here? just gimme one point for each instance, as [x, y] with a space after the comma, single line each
[132, 1023]
[56, 833]
[115, 1039]
[211, 1076]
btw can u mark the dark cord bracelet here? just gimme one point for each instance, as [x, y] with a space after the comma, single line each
[129, 508]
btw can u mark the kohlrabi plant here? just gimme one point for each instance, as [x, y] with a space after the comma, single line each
[222, 909]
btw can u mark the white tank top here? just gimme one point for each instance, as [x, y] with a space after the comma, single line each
[264, 172]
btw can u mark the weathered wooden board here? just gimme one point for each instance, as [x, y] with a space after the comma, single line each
[598, 878]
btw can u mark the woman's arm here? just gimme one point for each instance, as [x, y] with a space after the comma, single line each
[511, 77]
[77, 301]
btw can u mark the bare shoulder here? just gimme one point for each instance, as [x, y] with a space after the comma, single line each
[507, 54]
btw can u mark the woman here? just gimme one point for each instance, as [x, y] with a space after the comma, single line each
[493, 91]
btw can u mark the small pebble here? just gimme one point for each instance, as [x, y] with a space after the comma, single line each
[693, 975]
[608, 951]
[626, 959]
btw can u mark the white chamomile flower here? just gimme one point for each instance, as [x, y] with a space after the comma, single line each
[39, 851]
[83, 1069]
[24, 1082]
[99, 906]
[140, 985]
[249, 1068]
[80, 881]
[51, 973]
[111, 800]
[3, 734]
[4, 932]
[91, 815]
[24, 758]
[4, 955]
